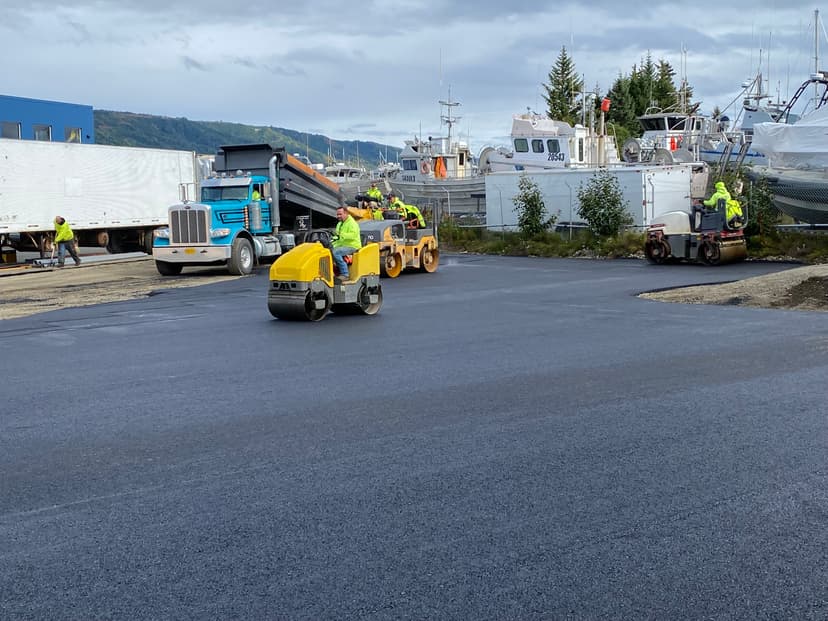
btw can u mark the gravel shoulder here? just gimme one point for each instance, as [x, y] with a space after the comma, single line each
[801, 288]
[41, 290]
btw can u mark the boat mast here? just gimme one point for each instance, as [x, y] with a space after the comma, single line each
[448, 118]
[816, 54]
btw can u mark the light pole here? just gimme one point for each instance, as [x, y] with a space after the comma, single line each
[502, 224]
[448, 203]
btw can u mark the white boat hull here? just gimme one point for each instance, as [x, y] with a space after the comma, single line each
[802, 194]
[467, 195]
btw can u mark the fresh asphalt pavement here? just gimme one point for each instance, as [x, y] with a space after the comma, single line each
[509, 438]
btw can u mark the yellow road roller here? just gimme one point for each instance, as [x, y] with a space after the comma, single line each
[303, 286]
[401, 247]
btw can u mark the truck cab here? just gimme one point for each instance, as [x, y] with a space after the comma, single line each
[231, 224]
[254, 190]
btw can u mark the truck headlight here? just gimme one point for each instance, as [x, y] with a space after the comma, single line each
[161, 233]
[219, 232]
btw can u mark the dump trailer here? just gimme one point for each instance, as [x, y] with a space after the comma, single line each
[113, 197]
[249, 210]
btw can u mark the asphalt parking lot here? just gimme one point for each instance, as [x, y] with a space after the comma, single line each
[508, 438]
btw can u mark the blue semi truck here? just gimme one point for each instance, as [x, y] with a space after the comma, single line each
[249, 210]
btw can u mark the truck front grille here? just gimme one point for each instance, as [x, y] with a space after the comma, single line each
[189, 226]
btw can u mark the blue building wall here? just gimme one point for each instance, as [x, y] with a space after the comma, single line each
[60, 117]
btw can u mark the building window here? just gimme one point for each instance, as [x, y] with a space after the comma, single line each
[42, 132]
[10, 129]
[72, 134]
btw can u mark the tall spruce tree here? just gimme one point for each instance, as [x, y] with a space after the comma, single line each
[665, 94]
[562, 92]
[650, 86]
[623, 112]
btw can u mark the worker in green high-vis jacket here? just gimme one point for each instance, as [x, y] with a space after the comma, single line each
[345, 240]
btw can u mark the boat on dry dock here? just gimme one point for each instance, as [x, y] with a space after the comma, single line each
[540, 143]
[440, 171]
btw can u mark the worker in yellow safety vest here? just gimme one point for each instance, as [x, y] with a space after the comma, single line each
[734, 215]
[395, 204]
[720, 193]
[374, 192]
[65, 241]
[414, 216]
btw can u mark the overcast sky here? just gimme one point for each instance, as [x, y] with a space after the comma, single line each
[376, 70]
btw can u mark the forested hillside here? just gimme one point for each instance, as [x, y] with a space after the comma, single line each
[204, 137]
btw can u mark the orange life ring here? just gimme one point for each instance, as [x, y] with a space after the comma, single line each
[424, 167]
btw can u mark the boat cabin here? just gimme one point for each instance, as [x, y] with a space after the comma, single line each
[435, 158]
[539, 142]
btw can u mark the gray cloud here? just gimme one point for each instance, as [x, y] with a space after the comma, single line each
[192, 63]
[377, 69]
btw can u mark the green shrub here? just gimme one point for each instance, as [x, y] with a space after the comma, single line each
[601, 204]
[532, 216]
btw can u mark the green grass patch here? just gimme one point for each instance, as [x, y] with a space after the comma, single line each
[798, 246]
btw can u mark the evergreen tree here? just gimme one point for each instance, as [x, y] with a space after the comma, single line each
[623, 112]
[647, 88]
[642, 85]
[563, 89]
[665, 94]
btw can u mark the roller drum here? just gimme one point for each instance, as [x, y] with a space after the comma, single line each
[734, 251]
[299, 306]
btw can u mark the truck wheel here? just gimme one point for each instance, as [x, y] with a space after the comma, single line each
[168, 269]
[241, 257]
[148, 238]
[115, 245]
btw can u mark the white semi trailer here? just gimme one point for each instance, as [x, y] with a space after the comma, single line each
[113, 197]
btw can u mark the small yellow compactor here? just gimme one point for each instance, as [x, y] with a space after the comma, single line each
[303, 286]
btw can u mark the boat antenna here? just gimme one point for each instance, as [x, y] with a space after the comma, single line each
[448, 118]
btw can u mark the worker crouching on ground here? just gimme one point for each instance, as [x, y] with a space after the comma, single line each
[65, 241]
[345, 241]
